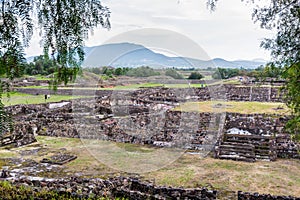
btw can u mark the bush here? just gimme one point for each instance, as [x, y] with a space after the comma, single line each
[142, 72]
[173, 73]
[222, 73]
[195, 75]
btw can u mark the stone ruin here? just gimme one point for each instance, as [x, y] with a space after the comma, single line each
[228, 92]
[130, 188]
[108, 117]
[255, 136]
[145, 116]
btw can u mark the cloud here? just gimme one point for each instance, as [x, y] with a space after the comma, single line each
[229, 32]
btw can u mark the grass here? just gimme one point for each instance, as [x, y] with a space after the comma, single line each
[42, 78]
[137, 86]
[235, 107]
[225, 81]
[36, 87]
[278, 178]
[125, 87]
[148, 85]
[7, 153]
[21, 98]
[10, 191]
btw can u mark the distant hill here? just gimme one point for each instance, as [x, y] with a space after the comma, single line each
[134, 55]
[30, 59]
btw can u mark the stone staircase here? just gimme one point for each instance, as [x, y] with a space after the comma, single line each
[236, 151]
[247, 148]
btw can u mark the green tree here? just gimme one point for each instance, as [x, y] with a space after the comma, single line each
[40, 65]
[223, 73]
[195, 75]
[284, 17]
[63, 24]
[143, 71]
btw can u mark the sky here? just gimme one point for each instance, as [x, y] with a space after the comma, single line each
[229, 32]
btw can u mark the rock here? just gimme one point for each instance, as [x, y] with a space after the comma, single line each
[4, 173]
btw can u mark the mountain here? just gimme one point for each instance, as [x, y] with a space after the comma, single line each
[249, 63]
[135, 55]
[124, 55]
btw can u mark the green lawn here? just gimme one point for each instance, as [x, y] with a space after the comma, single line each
[42, 78]
[235, 107]
[21, 98]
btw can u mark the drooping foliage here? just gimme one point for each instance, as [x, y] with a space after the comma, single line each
[63, 25]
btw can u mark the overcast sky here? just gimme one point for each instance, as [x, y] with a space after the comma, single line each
[227, 33]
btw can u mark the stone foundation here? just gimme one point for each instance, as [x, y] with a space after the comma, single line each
[152, 123]
[225, 92]
[132, 189]
[256, 196]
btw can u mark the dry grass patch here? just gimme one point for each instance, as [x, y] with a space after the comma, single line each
[278, 178]
[235, 107]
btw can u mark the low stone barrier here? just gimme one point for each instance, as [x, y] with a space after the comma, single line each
[129, 188]
[257, 196]
[287, 148]
[226, 92]
[122, 187]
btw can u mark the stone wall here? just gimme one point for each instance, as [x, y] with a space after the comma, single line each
[145, 117]
[257, 196]
[226, 92]
[148, 123]
[250, 137]
[22, 134]
[287, 148]
[132, 189]
[257, 124]
[66, 91]
[117, 187]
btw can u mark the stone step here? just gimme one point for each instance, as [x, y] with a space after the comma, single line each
[238, 144]
[237, 158]
[234, 151]
[237, 155]
[262, 151]
[247, 141]
[237, 147]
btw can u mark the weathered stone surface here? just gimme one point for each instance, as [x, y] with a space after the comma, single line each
[59, 159]
[226, 92]
[132, 188]
[256, 196]
[145, 117]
